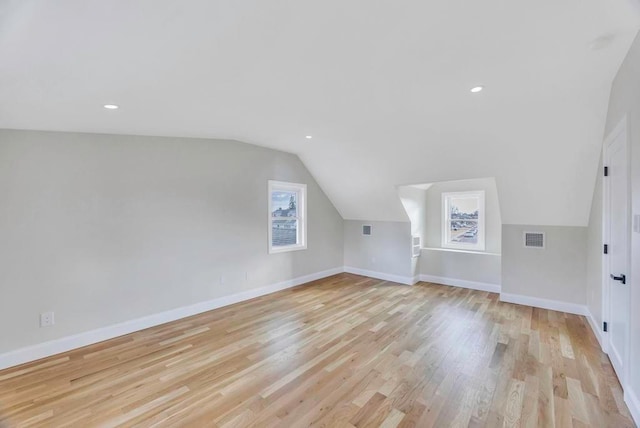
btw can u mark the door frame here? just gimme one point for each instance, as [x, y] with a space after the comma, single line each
[621, 128]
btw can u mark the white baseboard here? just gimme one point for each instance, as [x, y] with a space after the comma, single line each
[473, 285]
[408, 280]
[632, 401]
[46, 349]
[597, 331]
[554, 305]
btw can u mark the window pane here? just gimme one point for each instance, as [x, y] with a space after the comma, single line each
[287, 217]
[284, 232]
[464, 208]
[463, 231]
[283, 204]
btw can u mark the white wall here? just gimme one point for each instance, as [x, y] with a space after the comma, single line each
[414, 201]
[482, 268]
[103, 229]
[625, 101]
[557, 272]
[386, 251]
[436, 262]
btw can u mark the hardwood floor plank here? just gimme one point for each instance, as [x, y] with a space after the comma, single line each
[345, 351]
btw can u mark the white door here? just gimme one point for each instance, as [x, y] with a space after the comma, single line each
[616, 233]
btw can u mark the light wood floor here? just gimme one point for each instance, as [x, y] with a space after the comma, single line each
[344, 351]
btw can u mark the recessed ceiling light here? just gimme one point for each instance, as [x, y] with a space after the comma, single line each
[308, 137]
[111, 106]
[477, 89]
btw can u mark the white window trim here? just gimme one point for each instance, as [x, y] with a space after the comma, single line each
[480, 246]
[301, 189]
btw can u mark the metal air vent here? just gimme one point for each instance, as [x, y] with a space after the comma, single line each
[534, 239]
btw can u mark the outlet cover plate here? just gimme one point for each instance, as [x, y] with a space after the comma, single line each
[47, 319]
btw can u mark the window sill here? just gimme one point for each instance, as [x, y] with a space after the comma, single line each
[277, 250]
[453, 250]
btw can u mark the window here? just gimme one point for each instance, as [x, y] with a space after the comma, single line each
[287, 216]
[463, 225]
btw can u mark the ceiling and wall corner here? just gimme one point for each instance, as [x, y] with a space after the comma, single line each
[414, 201]
[383, 87]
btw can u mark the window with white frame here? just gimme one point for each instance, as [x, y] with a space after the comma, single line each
[287, 216]
[463, 220]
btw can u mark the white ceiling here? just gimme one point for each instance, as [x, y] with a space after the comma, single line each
[383, 87]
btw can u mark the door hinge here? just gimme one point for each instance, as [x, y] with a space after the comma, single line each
[605, 326]
[606, 249]
[606, 171]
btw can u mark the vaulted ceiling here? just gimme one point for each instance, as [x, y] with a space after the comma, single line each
[381, 86]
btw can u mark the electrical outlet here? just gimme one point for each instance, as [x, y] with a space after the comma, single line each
[246, 276]
[373, 260]
[221, 280]
[636, 223]
[47, 319]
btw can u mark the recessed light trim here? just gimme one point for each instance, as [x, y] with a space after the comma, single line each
[308, 137]
[111, 106]
[477, 89]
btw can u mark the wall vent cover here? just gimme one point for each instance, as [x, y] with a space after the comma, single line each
[415, 246]
[366, 229]
[534, 239]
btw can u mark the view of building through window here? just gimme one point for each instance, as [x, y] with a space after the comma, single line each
[284, 225]
[287, 216]
[463, 220]
[463, 225]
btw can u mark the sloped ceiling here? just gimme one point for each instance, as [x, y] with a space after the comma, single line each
[382, 86]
